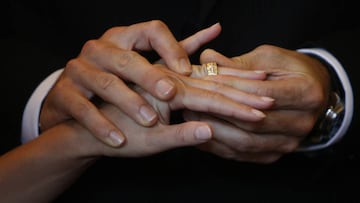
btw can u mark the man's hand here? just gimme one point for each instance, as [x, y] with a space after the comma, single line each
[300, 86]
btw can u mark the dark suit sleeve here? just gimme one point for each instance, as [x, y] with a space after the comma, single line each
[25, 63]
[344, 45]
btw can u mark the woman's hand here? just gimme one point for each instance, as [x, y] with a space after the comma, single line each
[105, 67]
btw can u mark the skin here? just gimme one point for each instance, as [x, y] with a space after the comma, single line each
[93, 72]
[46, 166]
[49, 164]
[298, 83]
[289, 78]
[104, 68]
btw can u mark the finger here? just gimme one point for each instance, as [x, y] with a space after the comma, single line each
[154, 35]
[113, 90]
[287, 95]
[241, 97]
[226, 152]
[227, 66]
[179, 135]
[213, 102]
[244, 141]
[142, 141]
[199, 71]
[286, 122]
[211, 55]
[128, 65]
[194, 42]
[82, 110]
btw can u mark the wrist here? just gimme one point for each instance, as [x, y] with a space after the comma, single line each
[342, 88]
[73, 141]
[328, 122]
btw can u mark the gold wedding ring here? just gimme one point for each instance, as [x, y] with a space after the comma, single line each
[211, 68]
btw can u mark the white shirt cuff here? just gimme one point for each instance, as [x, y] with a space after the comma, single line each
[348, 100]
[30, 119]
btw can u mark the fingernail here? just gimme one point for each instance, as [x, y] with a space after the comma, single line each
[203, 133]
[267, 99]
[115, 138]
[165, 88]
[259, 71]
[147, 114]
[218, 23]
[258, 113]
[185, 67]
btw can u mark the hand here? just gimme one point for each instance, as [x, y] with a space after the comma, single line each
[214, 98]
[300, 86]
[210, 97]
[103, 68]
[144, 141]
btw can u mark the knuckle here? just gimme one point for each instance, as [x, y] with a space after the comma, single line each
[289, 147]
[216, 87]
[206, 52]
[81, 110]
[157, 25]
[316, 97]
[305, 126]
[72, 66]
[246, 144]
[230, 154]
[264, 91]
[105, 80]
[57, 92]
[241, 61]
[180, 135]
[113, 31]
[266, 49]
[208, 55]
[312, 93]
[214, 96]
[90, 47]
[125, 59]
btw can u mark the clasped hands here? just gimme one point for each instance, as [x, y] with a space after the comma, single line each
[260, 106]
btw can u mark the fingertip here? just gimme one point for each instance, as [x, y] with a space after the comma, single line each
[258, 114]
[115, 139]
[184, 66]
[165, 89]
[216, 26]
[148, 115]
[268, 99]
[203, 133]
